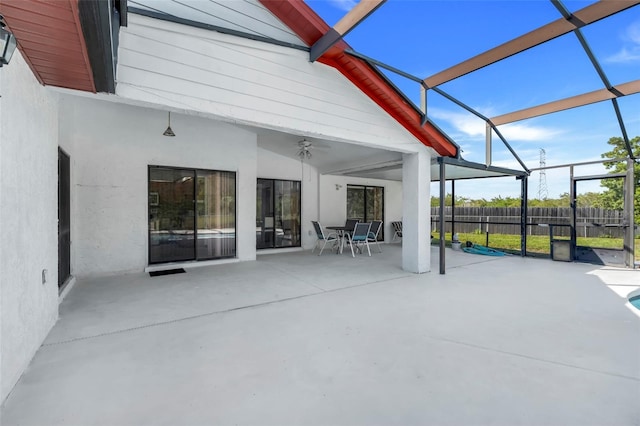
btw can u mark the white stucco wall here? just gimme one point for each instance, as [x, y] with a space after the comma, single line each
[333, 208]
[113, 146]
[28, 218]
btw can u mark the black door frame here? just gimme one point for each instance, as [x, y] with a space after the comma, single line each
[381, 233]
[573, 196]
[64, 218]
[273, 194]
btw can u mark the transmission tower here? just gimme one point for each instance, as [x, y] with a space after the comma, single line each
[543, 192]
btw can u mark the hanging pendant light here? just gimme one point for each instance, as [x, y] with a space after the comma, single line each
[169, 132]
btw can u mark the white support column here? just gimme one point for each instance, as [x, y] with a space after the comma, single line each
[246, 204]
[416, 194]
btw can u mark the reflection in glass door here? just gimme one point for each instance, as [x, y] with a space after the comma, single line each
[171, 215]
[277, 213]
[287, 208]
[192, 214]
[366, 203]
[216, 214]
[265, 222]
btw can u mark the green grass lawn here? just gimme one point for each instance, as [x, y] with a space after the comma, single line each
[538, 244]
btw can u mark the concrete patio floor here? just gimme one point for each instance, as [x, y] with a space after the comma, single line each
[297, 339]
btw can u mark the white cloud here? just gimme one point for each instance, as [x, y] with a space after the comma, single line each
[526, 133]
[633, 32]
[625, 55]
[630, 52]
[468, 124]
[343, 4]
[475, 127]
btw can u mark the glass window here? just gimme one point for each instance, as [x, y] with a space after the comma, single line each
[366, 203]
[277, 213]
[191, 214]
[216, 214]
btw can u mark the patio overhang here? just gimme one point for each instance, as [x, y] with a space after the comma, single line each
[459, 169]
[455, 169]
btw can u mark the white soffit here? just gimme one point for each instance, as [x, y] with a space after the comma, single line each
[456, 169]
[247, 16]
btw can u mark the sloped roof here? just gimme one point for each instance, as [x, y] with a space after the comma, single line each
[67, 43]
[51, 38]
[309, 27]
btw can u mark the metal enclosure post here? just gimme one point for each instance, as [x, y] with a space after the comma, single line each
[488, 144]
[453, 208]
[524, 205]
[629, 234]
[442, 228]
[572, 204]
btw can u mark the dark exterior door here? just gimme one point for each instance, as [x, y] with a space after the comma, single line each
[366, 203]
[278, 213]
[64, 218]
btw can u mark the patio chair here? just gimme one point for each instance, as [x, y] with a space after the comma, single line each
[360, 237]
[397, 230]
[350, 225]
[376, 225]
[322, 238]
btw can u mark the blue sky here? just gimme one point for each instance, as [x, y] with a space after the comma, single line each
[423, 37]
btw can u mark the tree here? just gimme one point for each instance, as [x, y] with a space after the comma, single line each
[613, 198]
[461, 201]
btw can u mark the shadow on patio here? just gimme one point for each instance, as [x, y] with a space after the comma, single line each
[294, 338]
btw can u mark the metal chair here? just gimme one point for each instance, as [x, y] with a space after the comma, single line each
[322, 238]
[376, 225]
[350, 224]
[359, 237]
[397, 230]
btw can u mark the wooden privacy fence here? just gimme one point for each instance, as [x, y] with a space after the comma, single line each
[591, 221]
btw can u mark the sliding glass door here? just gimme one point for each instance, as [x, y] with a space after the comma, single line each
[366, 203]
[216, 214]
[277, 213]
[191, 214]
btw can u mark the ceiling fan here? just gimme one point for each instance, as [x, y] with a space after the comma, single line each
[304, 149]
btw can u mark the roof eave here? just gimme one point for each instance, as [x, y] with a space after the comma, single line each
[309, 27]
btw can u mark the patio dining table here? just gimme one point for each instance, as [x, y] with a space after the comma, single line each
[341, 232]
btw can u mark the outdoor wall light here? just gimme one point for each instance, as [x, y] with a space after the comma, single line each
[169, 132]
[7, 46]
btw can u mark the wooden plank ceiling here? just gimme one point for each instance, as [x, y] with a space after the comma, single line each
[50, 38]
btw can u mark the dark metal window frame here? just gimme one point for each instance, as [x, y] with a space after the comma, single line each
[195, 212]
[299, 209]
[352, 185]
[63, 281]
